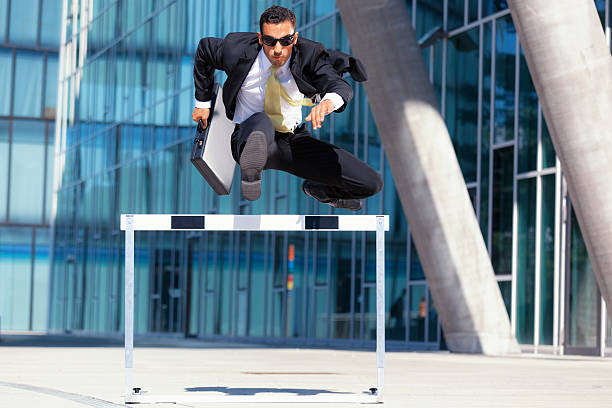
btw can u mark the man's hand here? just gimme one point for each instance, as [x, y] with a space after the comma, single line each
[201, 114]
[318, 112]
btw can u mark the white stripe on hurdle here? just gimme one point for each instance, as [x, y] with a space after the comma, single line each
[272, 222]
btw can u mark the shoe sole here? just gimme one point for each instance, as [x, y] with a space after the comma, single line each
[252, 161]
[348, 204]
[353, 205]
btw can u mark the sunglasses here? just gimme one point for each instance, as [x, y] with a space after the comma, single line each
[271, 41]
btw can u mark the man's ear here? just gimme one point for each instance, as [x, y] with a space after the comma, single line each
[295, 38]
[259, 38]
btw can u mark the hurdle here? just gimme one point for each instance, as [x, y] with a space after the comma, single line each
[273, 222]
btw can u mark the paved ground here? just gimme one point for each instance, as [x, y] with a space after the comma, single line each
[51, 371]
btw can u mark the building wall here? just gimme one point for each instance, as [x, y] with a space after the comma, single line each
[125, 140]
[29, 42]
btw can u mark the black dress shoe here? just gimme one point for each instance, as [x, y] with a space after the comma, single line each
[252, 161]
[317, 191]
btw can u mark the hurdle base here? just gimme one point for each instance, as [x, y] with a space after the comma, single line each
[262, 398]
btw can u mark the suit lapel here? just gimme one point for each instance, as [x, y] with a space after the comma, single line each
[296, 66]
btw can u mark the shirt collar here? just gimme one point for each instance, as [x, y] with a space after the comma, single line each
[266, 64]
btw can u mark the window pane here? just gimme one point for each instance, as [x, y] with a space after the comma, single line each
[50, 170]
[456, 12]
[41, 280]
[433, 319]
[341, 285]
[416, 269]
[601, 10]
[24, 22]
[396, 266]
[528, 120]
[28, 80]
[296, 280]
[486, 130]
[584, 292]
[27, 172]
[6, 72]
[257, 284]
[321, 316]
[429, 15]
[323, 7]
[501, 240]
[547, 259]
[50, 24]
[51, 87]
[396, 325]
[323, 32]
[504, 79]
[472, 10]
[493, 6]
[369, 316]
[548, 151]
[15, 267]
[506, 290]
[525, 260]
[462, 99]
[3, 11]
[4, 154]
[417, 313]
[321, 259]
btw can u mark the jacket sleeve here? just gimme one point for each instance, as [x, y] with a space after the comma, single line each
[325, 78]
[208, 57]
[343, 62]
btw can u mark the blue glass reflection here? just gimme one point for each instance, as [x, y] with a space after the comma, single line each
[3, 16]
[505, 55]
[50, 87]
[6, 73]
[50, 24]
[27, 172]
[24, 23]
[4, 154]
[28, 80]
[462, 99]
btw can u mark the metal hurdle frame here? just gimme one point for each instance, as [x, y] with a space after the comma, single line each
[272, 222]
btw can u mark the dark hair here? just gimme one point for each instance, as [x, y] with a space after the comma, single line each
[276, 15]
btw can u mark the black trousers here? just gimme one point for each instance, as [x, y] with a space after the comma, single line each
[298, 153]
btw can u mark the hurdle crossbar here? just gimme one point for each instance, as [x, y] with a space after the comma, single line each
[272, 222]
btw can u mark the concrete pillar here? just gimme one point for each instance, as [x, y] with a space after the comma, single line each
[428, 178]
[571, 67]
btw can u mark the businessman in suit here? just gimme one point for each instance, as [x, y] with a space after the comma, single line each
[271, 75]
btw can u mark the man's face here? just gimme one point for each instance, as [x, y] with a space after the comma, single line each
[277, 54]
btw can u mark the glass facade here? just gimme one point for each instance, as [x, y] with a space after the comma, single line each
[28, 98]
[126, 95]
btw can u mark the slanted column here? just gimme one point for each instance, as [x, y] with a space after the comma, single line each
[571, 66]
[428, 178]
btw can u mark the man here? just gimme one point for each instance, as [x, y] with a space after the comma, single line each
[269, 74]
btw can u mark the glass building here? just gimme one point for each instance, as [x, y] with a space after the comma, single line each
[29, 44]
[124, 135]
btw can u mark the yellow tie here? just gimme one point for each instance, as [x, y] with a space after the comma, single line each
[272, 101]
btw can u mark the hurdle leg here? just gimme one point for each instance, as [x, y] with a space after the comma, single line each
[380, 306]
[129, 304]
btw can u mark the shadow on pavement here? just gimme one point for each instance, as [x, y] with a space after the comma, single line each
[253, 391]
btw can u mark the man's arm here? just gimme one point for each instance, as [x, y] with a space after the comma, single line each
[209, 56]
[327, 81]
[336, 92]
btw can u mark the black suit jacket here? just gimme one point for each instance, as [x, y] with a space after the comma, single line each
[310, 65]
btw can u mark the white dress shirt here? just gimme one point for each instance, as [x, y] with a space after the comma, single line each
[250, 99]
